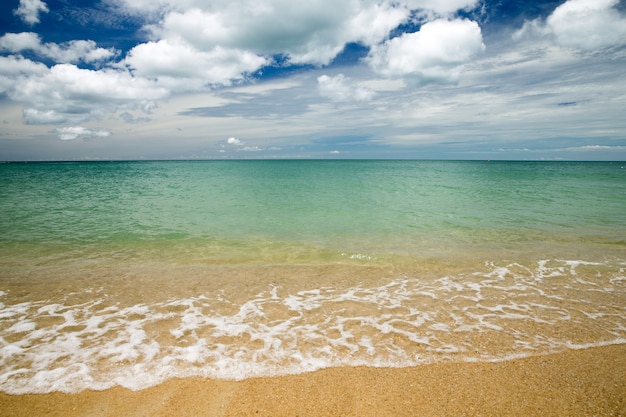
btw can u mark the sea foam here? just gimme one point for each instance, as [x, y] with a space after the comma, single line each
[503, 312]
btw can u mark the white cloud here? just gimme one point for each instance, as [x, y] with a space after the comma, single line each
[587, 24]
[67, 52]
[600, 148]
[75, 132]
[76, 51]
[17, 65]
[29, 10]
[373, 24]
[339, 88]
[179, 66]
[311, 32]
[15, 68]
[17, 42]
[241, 145]
[43, 117]
[434, 54]
[580, 24]
[66, 93]
[234, 141]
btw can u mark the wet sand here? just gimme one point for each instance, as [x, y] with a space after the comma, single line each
[575, 383]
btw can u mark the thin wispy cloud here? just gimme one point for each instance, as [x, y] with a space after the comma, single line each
[75, 132]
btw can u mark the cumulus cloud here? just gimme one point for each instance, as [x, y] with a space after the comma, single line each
[234, 141]
[15, 68]
[311, 32]
[179, 66]
[75, 132]
[76, 51]
[241, 145]
[29, 10]
[66, 93]
[373, 24]
[339, 88]
[17, 42]
[587, 24]
[434, 54]
[580, 24]
[67, 52]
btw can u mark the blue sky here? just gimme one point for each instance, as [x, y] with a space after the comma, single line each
[426, 79]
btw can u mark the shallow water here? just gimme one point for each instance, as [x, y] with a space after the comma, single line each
[130, 273]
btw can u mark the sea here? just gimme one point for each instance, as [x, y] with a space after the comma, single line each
[131, 273]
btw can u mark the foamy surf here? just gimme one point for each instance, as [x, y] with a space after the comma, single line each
[501, 312]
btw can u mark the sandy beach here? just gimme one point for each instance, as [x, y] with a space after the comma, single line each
[587, 382]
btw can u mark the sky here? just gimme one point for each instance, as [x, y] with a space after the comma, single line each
[238, 79]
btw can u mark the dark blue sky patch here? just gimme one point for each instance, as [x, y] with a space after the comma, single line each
[412, 25]
[352, 53]
[9, 22]
[279, 68]
[506, 15]
[91, 20]
[77, 20]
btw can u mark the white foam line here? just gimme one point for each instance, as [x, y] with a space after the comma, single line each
[91, 345]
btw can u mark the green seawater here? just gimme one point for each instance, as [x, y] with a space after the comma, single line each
[249, 210]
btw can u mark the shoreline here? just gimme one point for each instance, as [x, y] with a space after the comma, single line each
[576, 382]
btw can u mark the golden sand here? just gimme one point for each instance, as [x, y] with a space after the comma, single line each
[588, 382]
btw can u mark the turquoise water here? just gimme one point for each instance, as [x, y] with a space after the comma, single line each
[129, 273]
[376, 206]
